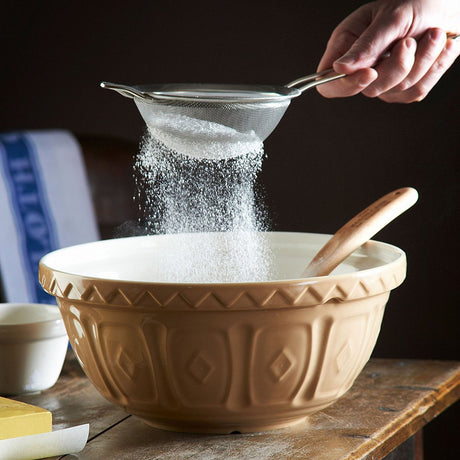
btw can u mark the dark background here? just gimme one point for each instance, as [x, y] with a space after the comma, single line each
[326, 160]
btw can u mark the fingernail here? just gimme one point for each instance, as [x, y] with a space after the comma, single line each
[367, 79]
[410, 44]
[436, 34]
[346, 59]
[364, 82]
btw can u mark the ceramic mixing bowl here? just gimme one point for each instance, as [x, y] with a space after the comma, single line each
[33, 345]
[220, 357]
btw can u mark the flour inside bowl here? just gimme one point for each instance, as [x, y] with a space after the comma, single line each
[184, 194]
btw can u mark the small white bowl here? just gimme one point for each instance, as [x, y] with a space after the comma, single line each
[33, 345]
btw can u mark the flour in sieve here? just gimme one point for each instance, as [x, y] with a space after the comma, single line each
[182, 194]
[201, 138]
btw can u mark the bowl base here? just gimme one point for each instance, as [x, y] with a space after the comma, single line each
[223, 428]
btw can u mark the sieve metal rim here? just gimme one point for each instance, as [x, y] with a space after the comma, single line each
[207, 94]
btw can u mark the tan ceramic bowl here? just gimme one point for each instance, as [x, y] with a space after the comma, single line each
[221, 357]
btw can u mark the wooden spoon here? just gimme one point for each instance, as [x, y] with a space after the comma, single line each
[360, 229]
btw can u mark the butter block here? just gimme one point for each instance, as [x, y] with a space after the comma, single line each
[21, 419]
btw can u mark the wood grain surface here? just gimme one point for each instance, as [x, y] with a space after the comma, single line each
[389, 402]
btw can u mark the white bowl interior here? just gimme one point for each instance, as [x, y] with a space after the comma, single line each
[166, 258]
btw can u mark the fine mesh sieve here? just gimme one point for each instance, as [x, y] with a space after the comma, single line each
[218, 121]
[215, 121]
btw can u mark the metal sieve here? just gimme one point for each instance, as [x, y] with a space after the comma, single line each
[209, 120]
[218, 121]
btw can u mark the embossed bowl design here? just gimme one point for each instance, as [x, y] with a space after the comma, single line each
[221, 357]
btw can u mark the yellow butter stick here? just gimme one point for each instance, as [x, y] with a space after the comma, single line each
[21, 419]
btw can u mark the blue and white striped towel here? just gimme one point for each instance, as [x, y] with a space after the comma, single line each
[45, 204]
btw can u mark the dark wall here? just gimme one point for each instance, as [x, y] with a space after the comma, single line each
[326, 160]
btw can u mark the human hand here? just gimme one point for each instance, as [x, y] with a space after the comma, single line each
[413, 32]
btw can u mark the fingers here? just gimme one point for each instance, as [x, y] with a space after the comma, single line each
[407, 75]
[429, 47]
[394, 69]
[422, 87]
[412, 69]
[345, 35]
[349, 85]
[358, 42]
[389, 73]
[341, 40]
[372, 83]
[386, 28]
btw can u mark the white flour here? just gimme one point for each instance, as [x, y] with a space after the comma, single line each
[201, 139]
[182, 194]
[188, 131]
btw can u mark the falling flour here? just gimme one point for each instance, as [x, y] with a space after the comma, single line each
[184, 194]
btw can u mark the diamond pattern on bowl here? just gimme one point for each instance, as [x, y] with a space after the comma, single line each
[281, 365]
[200, 368]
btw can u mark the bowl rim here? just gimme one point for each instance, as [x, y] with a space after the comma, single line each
[32, 330]
[114, 292]
[401, 255]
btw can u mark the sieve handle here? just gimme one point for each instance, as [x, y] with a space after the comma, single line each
[315, 79]
[125, 90]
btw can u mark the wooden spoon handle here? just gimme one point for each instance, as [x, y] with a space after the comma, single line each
[360, 229]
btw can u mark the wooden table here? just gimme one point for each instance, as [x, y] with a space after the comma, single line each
[389, 402]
